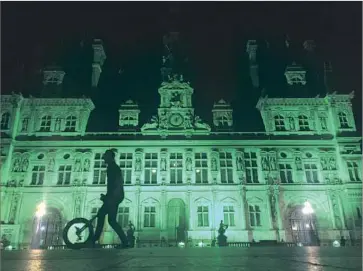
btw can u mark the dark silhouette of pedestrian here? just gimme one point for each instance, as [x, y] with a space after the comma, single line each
[114, 196]
[342, 241]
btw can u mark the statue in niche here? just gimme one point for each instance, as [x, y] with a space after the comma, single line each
[323, 123]
[14, 207]
[16, 165]
[77, 206]
[21, 183]
[51, 164]
[163, 164]
[265, 165]
[214, 164]
[87, 164]
[57, 126]
[298, 163]
[332, 163]
[77, 165]
[239, 163]
[272, 163]
[292, 123]
[25, 165]
[188, 164]
[273, 207]
[138, 164]
[24, 125]
[188, 121]
[324, 163]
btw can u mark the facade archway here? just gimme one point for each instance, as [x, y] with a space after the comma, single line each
[176, 220]
[47, 230]
[302, 228]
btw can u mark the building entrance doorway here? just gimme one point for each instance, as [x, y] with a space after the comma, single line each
[176, 221]
[47, 230]
[303, 228]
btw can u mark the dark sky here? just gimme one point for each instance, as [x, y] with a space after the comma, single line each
[214, 35]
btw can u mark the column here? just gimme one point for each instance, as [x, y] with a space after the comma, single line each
[191, 217]
[278, 211]
[344, 226]
[331, 209]
[243, 208]
[269, 210]
[138, 210]
[163, 211]
[213, 216]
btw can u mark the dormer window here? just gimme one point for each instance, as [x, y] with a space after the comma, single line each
[5, 120]
[71, 122]
[279, 123]
[303, 123]
[45, 124]
[343, 120]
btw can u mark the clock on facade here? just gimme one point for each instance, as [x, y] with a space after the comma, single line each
[176, 119]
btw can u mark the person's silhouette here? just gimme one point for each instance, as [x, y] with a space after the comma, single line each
[114, 196]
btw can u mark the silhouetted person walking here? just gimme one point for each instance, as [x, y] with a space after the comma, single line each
[114, 196]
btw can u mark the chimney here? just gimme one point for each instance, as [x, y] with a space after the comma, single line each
[252, 52]
[52, 82]
[99, 58]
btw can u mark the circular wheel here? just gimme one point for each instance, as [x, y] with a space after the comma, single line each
[73, 237]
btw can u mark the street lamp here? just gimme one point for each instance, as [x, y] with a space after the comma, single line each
[40, 210]
[307, 210]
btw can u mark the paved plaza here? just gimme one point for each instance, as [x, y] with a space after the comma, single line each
[198, 259]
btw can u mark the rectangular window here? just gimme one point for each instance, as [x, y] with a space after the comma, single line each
[126, 167]
[203, 216]
[201, 167]
[176, 168]
[228, 215]
[123, 216]
[225, 160]
[311, 173]
[45, 123]
[255, 215]
[38, 174]
[99, 170]
[285, 173]
[64, 175]
[251, 167]
[353, 171]
[151, 166]
[149, 217]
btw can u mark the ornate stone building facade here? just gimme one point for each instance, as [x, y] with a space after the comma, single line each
[181, 175]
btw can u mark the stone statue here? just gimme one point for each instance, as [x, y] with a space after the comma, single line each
[16, 165]
[188, 164]
[87, 164]
[25, 165]
[57, 126]
[199, 124]
[298, 163]
[272, 163]
[222, 239]
[264, 163]
[214, 164]
[77, 165]
[323, 163]
[77, 206]
[24, 126]
[163, 120]
[138, 164]
[130, 234]
[187, 121]
[292, 123]
[21, 183]
[14, 207]
[273, 207]
[239, 163]
[163, 164]
[323, 123]
[51, 164]
[332, 163]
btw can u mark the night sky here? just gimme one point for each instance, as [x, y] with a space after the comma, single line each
[214, 35]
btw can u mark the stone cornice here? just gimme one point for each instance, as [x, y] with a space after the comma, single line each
[80, 102]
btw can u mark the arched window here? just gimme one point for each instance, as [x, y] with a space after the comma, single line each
[45, 123]
[303, 123]
[71, 122]
[5, 121]
[343, 120]
[279, 123]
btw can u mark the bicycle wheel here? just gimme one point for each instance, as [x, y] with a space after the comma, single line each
[74, 237]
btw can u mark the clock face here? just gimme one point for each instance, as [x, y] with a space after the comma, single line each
[176, 119]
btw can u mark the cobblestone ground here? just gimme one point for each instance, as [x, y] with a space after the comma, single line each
[198, 259]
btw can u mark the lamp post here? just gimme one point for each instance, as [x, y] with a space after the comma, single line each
[308, 211]
[39, 213]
